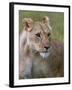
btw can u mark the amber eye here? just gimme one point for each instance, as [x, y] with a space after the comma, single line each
[38, 34]
[49, 34]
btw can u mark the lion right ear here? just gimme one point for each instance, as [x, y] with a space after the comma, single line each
[28, 24]
[45, 19]
[47, 22]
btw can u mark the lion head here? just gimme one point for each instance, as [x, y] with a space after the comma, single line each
[38, 35]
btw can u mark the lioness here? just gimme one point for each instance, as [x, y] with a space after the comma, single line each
[40, 56]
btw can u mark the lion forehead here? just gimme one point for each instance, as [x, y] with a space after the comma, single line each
[38, 27]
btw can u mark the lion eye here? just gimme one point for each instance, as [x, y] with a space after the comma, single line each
[38, 34]
[49, 34]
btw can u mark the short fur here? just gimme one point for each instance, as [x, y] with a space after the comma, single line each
[40, 56]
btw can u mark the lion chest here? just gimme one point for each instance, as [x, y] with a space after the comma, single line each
[50, 67]
[40, 68]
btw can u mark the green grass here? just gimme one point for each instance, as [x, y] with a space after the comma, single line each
[56, 21]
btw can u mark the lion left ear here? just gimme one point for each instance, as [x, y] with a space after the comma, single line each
[28, 24]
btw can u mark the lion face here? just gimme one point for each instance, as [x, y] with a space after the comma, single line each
[39, 37]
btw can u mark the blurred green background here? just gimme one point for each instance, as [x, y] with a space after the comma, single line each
[56, 21]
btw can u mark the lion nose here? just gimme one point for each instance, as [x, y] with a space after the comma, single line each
[47, 47]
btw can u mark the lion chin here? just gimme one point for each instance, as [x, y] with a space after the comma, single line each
[45, 55]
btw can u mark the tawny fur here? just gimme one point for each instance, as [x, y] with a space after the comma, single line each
[31, 63]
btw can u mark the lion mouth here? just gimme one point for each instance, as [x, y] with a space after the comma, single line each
[43, 51]
[45, 55]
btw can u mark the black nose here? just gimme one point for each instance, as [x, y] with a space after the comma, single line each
[47, 47]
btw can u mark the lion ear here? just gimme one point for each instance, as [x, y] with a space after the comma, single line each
[47, 22]
[28, 24]
[45, 19]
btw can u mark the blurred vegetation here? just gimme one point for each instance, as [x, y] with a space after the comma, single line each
[56, 21]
